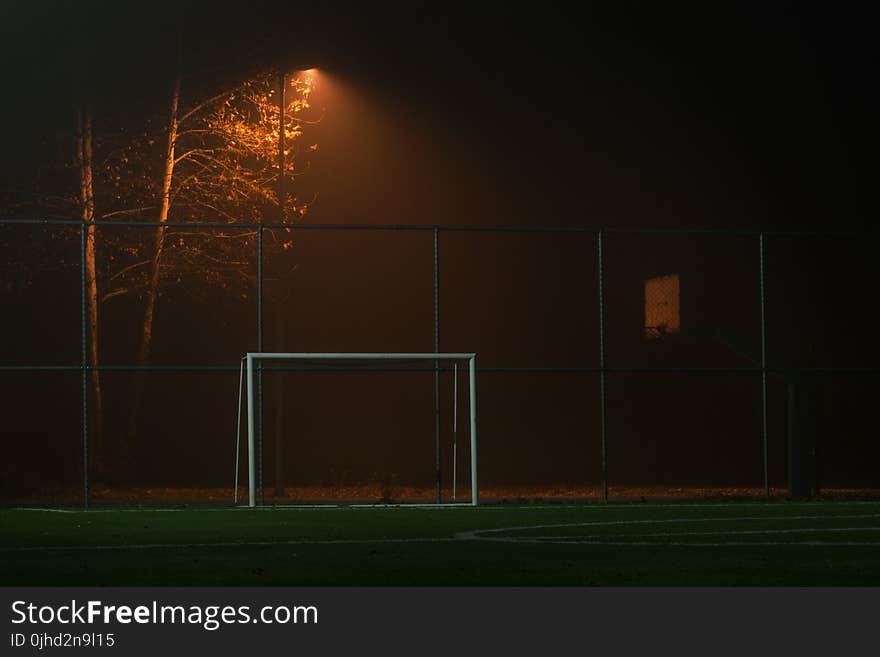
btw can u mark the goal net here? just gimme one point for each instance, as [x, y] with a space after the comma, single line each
[455, 371]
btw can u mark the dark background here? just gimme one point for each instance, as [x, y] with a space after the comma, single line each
[749, 116]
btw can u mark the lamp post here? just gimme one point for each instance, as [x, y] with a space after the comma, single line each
[279, 319]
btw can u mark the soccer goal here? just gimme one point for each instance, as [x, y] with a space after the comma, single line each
[251, 365]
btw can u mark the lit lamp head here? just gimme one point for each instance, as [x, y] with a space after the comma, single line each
[300, 76]
[295, 66]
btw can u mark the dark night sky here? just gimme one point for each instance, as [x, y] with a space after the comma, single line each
[644, 115]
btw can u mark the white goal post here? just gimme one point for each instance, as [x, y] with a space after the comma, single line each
[255, 357]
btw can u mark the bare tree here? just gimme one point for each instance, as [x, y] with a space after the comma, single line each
[214, 159]
[158, 250]
[87, 209]
[220, 164]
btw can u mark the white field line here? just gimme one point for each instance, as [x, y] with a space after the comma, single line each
[592, 506]
[481, 535]
[259, 509]
[760, 532]
[657, 544]
[159, 546]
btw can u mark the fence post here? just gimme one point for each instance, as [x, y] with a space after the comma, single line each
[84, 367]
[252, 495]
[763, 363]
[439, 492]
[602, 420]
[260, 362]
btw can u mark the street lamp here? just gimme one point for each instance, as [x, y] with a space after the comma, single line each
[310, 74]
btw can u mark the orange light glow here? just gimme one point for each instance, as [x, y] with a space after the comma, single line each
[308, 76]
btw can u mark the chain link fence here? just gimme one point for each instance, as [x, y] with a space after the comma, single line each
[612, 364]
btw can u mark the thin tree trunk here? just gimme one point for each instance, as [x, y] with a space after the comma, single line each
[158, 249]
[279, 415]
[87, 203]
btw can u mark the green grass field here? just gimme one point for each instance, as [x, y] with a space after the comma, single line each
[746, 543]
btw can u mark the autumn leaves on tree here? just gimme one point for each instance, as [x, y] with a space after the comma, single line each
[228, 157]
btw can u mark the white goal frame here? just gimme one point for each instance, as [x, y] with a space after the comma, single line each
[255, 357]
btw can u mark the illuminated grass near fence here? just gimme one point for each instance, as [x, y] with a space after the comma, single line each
[697, 544]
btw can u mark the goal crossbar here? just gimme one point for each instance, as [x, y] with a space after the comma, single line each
[255, 357]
